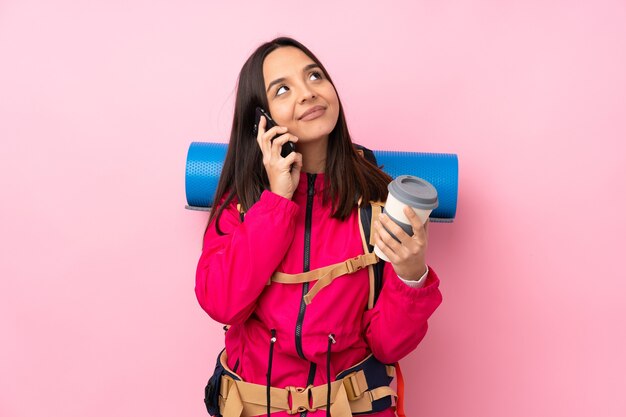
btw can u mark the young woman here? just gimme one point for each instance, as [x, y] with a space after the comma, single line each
[301, 214]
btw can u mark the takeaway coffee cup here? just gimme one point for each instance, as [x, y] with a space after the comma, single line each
[411, 191]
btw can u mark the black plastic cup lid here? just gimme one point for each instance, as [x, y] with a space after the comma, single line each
[414, 192]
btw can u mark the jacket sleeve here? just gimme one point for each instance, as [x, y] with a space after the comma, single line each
[234, 268]
[398, 322]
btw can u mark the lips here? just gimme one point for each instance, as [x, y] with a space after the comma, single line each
[312, 113]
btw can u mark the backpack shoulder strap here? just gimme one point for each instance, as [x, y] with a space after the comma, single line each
[366, 153]
[368, 214]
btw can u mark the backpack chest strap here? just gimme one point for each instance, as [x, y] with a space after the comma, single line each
[324, 276]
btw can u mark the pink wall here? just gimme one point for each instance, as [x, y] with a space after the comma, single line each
[99, 101]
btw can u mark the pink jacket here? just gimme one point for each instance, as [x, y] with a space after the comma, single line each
[292, 236]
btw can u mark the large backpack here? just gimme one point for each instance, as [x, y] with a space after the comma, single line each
[368, 214]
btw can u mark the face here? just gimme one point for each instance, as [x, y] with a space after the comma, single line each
[300, 96]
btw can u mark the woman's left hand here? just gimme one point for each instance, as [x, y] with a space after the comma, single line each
[408, 256]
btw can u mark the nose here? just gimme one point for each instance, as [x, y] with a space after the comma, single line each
[307, 93]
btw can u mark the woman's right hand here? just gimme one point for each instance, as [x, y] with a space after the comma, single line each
[283, 173]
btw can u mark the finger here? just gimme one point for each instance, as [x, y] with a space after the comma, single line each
[293, 158]
[291, 162]
[423, 237]
[420, 233]
[278, 143]
[389, 253]
[272, 132]
[266, 137]
[298, 160]
[394, 228]
[385, 236]
[260, 132]
[410, 214]
[296, 165]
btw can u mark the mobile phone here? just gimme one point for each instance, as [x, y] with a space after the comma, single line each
[287, 147]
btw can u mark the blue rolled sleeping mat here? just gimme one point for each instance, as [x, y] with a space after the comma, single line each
[205, 160]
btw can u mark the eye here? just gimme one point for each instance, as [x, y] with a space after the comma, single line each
[282, 90]
[317, 75]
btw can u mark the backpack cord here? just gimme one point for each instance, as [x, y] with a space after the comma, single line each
[269, 370]
[331, 341]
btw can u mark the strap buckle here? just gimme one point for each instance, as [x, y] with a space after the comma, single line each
[354, 389]
[300, 399]
[354, 264]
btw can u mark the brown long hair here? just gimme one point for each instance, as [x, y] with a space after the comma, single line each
[348, 176]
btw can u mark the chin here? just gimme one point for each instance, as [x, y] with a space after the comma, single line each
[312, 137]
[317, 131]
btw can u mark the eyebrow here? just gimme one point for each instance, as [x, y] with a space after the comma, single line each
[280, 80]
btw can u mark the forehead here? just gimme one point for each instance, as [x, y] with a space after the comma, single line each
[284, 62]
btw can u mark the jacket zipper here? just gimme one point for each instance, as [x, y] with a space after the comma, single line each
[307, 259]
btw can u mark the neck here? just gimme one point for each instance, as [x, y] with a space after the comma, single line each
[313, 155]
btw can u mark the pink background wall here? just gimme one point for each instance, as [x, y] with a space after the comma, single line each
[99, 101]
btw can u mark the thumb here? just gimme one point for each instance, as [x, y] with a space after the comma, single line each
[297, 166]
